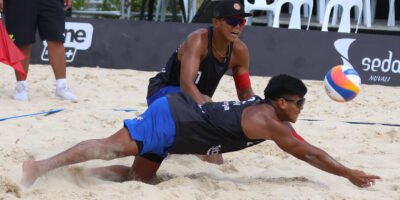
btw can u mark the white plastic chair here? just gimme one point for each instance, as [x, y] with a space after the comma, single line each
[190, 9]
[259, 5]
[295, 18]
[161, 9]
[321, 4]
[366, 13]
[346, 5]
[321, 7]
[391, 13]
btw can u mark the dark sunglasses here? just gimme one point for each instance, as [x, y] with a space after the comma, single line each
[299, 103]
[235, 21]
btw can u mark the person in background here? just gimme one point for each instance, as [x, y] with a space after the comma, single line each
[22, 19]
[200, 62]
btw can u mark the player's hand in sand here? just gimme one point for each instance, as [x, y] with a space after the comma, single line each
[361, 179]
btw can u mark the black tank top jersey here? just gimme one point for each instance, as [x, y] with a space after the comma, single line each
[209, 129]
[208, 77]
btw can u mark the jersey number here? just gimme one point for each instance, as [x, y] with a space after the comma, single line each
[197, 78]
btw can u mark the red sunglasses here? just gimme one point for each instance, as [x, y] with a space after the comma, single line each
[232, 21]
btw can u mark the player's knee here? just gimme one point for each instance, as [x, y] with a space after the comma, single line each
[145, 178]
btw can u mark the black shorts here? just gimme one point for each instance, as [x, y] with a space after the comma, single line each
[23, 17]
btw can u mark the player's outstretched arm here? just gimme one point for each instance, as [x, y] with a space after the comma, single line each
[321, 160]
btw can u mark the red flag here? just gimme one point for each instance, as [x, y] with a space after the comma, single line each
[9, 53]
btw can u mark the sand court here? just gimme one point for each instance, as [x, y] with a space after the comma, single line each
[261, 172]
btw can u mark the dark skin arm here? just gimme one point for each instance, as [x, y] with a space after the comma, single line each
[192, 51]
[320, 159]
[190, 57]
[241, 59]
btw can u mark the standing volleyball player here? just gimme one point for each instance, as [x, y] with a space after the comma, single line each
[199, 63]
[22, 18]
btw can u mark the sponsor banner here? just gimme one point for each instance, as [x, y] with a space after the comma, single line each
[78, 36]
[144, 45]
[310, 54]
[121, 44]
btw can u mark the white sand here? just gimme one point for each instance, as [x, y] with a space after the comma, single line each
[260, 172]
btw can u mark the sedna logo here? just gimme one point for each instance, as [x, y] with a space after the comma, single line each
[378, 69]
[342, 47]
[78, 36]
[384, 65]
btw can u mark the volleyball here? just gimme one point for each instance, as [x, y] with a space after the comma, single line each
[342, 83]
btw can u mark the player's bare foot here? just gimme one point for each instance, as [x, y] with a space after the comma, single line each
[30, 172]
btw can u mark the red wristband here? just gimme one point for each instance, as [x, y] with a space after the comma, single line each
[296, 135]
[242, 81]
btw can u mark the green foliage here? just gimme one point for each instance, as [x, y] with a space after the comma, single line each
[136, 4]
[114, 5]
[79, 4]
[110, 5]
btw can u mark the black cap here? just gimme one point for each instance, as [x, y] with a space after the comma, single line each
[229, 8]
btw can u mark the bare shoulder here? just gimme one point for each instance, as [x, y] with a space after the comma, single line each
[195, 43]
[199, 34]
[239, 46]
[260, 122]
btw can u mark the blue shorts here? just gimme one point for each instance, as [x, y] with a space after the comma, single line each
[162, 92]
[155, 128]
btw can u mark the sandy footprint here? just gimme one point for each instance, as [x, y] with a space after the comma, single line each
[10, 187]
[81, 176]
